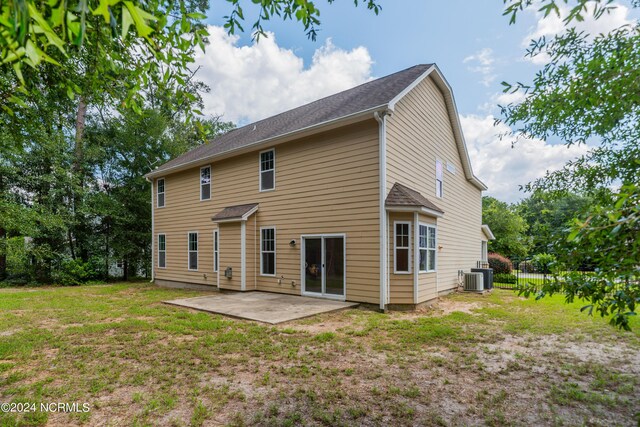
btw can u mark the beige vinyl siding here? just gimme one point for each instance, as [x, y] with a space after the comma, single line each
[418, 133]
[177, 256]
[253, 251]
[401, 285]
[230, 255]
[327, 183]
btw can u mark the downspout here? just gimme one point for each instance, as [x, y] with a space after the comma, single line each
[243, 255]
[381, 117]
[153, 218]
[416, 255]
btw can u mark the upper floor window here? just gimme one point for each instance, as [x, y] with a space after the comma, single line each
[268, 251]
[402, 245]
[268, 170]
[427, 248]
[205, 183]
[439, 178]
[160, 192]
[193, 251]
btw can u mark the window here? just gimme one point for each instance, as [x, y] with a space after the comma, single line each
[451, 168]
[483, 251]
[439, 183]
[205, 183]
[427, 247]
[268, 251]
[267, 170]
[215, 251]
[160, 192]
[402, 243]
[162, 251]
[193, 251]
[119, 264]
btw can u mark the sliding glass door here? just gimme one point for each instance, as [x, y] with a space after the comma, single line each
[323, 264]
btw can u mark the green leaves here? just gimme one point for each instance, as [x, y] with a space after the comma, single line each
[141, 19]
[508, 226]
[303, 11]
[588, 92]
[129, 44]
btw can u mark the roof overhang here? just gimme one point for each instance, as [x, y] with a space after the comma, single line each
[419, 209]
[487, 232]
[239, 218]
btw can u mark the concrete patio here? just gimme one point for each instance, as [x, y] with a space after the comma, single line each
[262, 306]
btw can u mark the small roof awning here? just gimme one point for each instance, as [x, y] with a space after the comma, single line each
[402, 198]
[487, 232]
[236, 213]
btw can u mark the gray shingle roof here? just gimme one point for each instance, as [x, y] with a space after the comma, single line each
[369, 95]
[233, 212]
[405, 196]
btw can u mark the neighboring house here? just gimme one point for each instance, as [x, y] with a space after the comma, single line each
[304, 201]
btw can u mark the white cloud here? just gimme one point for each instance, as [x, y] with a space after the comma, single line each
[482, 62]
[503, 99]
[553, 24]
[504, 168]
[252, 82]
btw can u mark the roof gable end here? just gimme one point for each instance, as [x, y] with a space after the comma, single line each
[452, 110]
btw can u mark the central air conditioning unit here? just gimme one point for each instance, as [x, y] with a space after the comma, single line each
[474, 282]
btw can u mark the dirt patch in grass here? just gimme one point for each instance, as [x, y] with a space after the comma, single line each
[446, 306]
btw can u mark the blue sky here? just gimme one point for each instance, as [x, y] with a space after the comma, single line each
[472, 43]
[410, 32]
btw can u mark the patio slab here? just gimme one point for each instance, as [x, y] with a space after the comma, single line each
[263, 307]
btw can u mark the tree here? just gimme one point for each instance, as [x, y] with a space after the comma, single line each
[128, 147]
[548, 216]
[508, 227]
[588, 90]
[146, 40]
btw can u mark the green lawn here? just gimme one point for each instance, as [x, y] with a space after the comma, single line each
[494, 360]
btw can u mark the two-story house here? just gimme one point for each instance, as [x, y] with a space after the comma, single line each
[367, 195]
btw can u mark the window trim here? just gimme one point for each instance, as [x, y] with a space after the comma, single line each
[210, 181]
[434, 249]
[440, 188]
[260, 170]
[395, 248]
[216, 251]
[164, 193]
[275, 240]
[162, 250]
[197, 251]
[484, 250]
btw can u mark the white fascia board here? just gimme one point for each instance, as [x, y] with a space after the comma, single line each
[419, 209]
[487, 232]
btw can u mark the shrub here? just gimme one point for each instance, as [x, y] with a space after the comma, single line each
[73, 272]
[544, 262]
[505, 278]
[499, 263]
